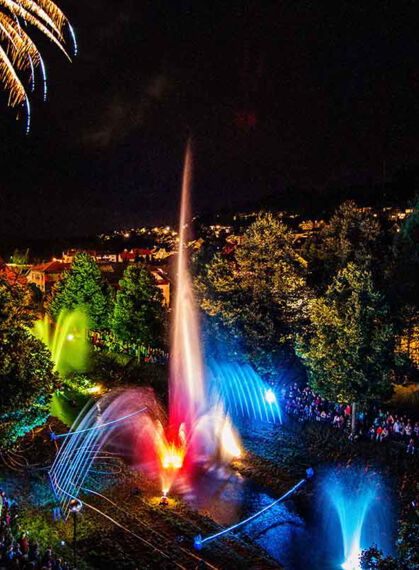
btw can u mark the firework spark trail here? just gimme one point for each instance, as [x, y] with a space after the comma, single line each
[19, 55]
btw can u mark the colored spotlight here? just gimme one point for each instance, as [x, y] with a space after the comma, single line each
[270, 396]
[70, 337]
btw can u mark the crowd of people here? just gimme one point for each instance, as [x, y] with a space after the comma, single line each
[107, 341]
[379, 425]
[17, 549]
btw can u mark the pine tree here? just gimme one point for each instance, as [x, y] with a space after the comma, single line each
[138, 313]
[258, 299]
[83, 287]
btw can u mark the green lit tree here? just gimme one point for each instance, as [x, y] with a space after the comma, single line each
[27, 379]
[257, 300]
[138, 312]
[83, 287]
[349, 352]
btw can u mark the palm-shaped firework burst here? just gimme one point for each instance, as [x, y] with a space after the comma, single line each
[19, 56]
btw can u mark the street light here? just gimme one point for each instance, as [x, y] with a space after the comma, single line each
[75, 508]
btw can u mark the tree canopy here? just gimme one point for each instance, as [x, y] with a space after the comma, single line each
[138, 313]
[257, 298]
[83, 287]
[349, 352]
[352, 234]
[26, 371]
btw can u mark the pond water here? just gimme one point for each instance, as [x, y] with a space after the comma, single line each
[305, 531]
[281, 531]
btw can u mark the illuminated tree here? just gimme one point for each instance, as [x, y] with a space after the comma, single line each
[83, 287]
[19, 56]
[258, 299]
[26, 371]
[349, 352]
[138, 313]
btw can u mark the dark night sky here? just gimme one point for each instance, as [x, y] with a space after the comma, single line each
[330, 90]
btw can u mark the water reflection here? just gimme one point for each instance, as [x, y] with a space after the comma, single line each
[280, 531]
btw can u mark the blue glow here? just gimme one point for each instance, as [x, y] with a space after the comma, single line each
[44, 76]
[28, 116]
[73, 37]
[243, 392]
[355, 498]
[270, 396]
[199, 541]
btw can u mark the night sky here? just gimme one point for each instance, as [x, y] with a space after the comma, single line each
[276, 95]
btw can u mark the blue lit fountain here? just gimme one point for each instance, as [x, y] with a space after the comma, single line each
[355, 507]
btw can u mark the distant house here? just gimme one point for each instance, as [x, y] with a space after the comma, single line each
[163, 283]
[113, 273]
[136, 254]
[45, 275]
[98, 256]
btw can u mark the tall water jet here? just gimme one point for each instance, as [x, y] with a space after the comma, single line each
[202, 402]
[66, 339]
[356, 504]
[186, 392]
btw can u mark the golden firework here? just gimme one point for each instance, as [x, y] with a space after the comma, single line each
[19, 56]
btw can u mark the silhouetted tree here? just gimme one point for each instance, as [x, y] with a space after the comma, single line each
[352, 235]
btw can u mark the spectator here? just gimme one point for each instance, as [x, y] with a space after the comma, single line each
[411, 446]
[304, 405]
[20, 554]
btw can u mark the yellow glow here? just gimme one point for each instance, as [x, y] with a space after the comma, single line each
[229, 440]
[95, 389]
[172, 457]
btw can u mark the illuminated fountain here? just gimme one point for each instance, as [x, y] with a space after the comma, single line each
[66, 339]
[198, 433]
[356, 509]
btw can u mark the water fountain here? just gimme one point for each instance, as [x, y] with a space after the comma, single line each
[355, 507]
[198, 432]
[66, 339]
